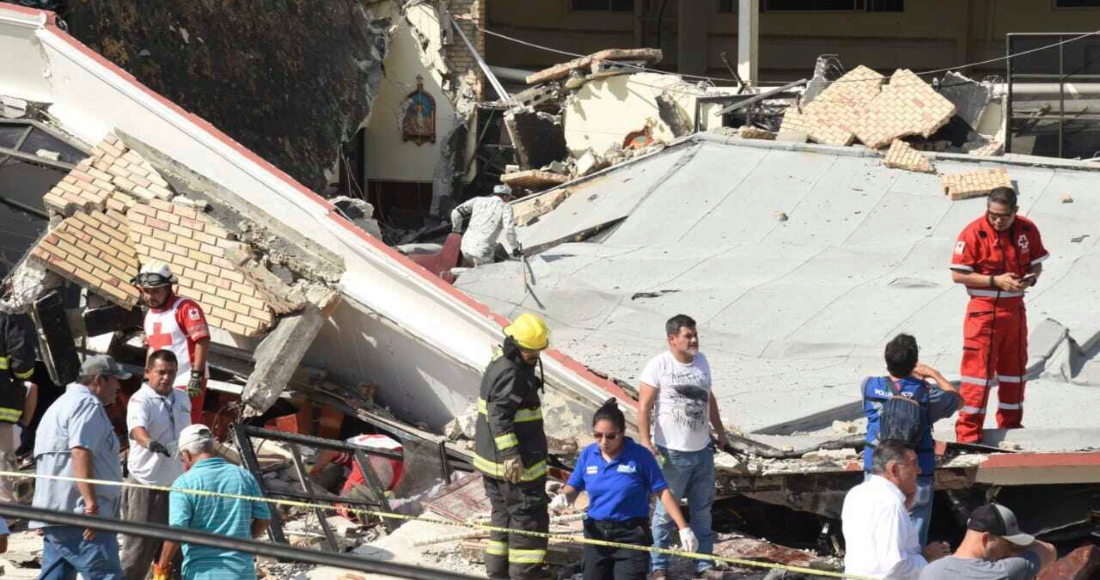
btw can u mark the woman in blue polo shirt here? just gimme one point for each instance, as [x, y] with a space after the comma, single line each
[619, 476]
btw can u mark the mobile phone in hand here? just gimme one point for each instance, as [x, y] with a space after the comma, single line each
[1029, 279]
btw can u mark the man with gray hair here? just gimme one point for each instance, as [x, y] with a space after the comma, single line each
[76, 440]
[480, 221]
[881, 540]
[217, 515]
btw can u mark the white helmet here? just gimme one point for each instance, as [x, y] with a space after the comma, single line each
[502, 189]
[154, 275]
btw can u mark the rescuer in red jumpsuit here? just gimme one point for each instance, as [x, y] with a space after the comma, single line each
[997, 257]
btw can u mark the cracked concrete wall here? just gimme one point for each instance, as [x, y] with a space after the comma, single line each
[289, 80]
[424, 45]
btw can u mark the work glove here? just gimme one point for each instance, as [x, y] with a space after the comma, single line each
[157, 447]
[688, 541]
[559, 502]
[513, 469]
[194, 386]
[161, 573]
[517, 252]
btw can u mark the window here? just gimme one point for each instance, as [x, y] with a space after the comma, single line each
[834, 5]
[1076, 3]
[603, 5]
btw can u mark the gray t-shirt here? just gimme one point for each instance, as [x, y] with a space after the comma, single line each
[1023, 567]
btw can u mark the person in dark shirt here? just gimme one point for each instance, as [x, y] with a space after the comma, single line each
[619, 476]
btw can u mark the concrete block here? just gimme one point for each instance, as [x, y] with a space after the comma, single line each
[1045, 338]
[789, 135]
[278, 356]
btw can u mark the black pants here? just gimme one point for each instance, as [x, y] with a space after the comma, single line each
[517, 506]
[604, 563]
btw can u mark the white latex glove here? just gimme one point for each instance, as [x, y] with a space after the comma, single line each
[559, 502]
[688, 541]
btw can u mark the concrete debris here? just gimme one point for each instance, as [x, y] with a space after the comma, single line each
[537, 140]
[976, 183]
[29, 281]
[560, 71]
[747, 132]
[788, 135]
[780, 216]
[278, 356]
[360, 212]
[902, 156]
[589, 162]
[12, 108]
[845, 427]
[47, 154]
[673, 116]
[534, 179]
[834, 456]
[527, 210]
[990, 149]
[969, 97]
[1067, 198]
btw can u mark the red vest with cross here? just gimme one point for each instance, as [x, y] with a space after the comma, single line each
[177, 328]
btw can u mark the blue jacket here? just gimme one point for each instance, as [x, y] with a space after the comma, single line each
[935, 405]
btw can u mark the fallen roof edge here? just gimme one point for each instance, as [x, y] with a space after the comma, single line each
[575, 375]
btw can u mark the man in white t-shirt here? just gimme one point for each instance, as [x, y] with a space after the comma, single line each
[155, 417]
[676, 390]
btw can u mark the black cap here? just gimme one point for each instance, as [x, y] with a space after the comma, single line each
[999, 521]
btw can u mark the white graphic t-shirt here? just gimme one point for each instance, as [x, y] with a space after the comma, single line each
[683, 401]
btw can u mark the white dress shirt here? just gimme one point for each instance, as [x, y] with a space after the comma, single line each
[163, 418]
[881, 541]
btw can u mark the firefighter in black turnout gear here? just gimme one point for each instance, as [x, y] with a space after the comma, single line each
[16, 368]
[510, 451]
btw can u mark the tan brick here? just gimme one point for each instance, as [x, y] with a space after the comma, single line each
[160, 191]
[165, 236]
[235, 328]
[199, 256]
[214, 300]
[253, 302]
[159, 255]
[175, 249]
[145, 210]
[141, 230]
[167, 216]
[222, 263]
[185, 262]
[188, 243]
[163, 205]
[116, 264]
[193, 224]
[234, 276]
[262, 314]
[205, 288]
[157, 224]
[237, 307]
[196, 275]
[213, 250]
[181, 231]
[248, 321]
[204, 238]
[230, 296]
[245, 289]
[209, 269]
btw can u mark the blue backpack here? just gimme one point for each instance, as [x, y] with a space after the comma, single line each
[900, 418]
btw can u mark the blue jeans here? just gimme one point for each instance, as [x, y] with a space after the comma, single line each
[689, 474]
[921, 512]
[65, 552]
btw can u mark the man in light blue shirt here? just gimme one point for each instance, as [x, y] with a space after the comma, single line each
[75, 439]
[231, 517]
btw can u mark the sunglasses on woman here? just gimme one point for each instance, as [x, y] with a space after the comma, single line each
[609, 436]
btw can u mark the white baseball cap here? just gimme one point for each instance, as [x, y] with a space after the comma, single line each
[192, 434]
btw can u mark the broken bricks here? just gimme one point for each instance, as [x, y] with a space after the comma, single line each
[975, 183]
[902, 156]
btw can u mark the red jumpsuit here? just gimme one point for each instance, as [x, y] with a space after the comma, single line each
[995, 329]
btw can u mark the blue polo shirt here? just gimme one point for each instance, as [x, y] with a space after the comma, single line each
[618, 489]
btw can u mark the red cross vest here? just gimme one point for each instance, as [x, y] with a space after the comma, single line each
[168, 329]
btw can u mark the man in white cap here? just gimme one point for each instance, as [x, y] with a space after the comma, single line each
[994, 548]
[155, 418]
[480, 221]
[76, 440]
[177, 324]
[217, 515]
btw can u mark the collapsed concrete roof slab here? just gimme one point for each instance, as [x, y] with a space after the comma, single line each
[399, 326]
[792, 313]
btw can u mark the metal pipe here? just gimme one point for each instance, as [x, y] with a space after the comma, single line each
[182, 535]
[501, 93]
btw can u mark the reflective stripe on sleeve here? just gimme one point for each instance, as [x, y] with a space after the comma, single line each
[4, 363]
[522, 415]
[1009, 379]
[24, 375]
[10, 415]
[497, 470]
[506, 441]
[1009, 406]
[972, 411]
[496, 548]
[516, 556]
[975, 381]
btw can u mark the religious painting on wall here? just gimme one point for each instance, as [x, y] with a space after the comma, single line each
[418, 120]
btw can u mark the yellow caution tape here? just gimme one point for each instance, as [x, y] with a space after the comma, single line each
[487, 528]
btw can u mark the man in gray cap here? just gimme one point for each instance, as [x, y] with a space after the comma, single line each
[76, 439]
[994, 548]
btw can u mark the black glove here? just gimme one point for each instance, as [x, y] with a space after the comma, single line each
[194, 386]
[156, 447]
[517, 252]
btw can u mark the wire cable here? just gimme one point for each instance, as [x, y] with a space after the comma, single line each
[921, 73]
